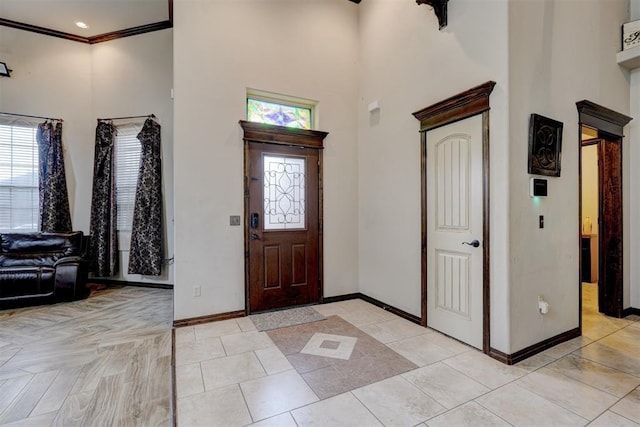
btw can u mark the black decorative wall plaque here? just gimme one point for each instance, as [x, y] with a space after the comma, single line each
[545, 146]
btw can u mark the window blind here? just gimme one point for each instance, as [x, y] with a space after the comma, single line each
[127, 160]
[18, 178]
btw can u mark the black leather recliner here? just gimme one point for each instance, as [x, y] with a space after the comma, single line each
[42, 267]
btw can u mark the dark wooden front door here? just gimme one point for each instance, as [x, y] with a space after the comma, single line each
[283, 216]
[610, 227]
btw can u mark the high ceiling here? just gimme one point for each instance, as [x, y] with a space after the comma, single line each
[106, 19]
[101, 16]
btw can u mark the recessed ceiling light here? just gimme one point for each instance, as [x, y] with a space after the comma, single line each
[81, 25]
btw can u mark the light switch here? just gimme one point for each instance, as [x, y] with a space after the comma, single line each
[541, 221]
[234, 220]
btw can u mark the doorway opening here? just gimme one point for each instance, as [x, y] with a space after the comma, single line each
[590, 207]
[600, 212]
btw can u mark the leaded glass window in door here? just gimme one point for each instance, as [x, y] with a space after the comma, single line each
[284, 193]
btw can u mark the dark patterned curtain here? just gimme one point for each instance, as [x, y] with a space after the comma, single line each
[54, 199]
[145, 255]
[104, 237]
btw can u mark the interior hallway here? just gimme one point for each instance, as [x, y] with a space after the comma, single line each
[230, 374]
[596, 325]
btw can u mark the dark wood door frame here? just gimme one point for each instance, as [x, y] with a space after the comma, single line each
[459, 107]
[280, 135]
[609, 125]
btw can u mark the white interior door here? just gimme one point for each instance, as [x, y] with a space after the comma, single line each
[454, 225]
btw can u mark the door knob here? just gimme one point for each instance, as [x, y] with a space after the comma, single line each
[254, 236]
[473, 243]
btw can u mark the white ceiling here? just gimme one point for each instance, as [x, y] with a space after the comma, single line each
[102, 16]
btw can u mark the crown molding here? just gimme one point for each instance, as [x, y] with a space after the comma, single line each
[127, 32]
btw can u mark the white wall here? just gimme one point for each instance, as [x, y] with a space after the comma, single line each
[346, 56]
[133, 76]
[77, 82]
[52, 78]
[408, 64]
[633, 157]
[306, 49]
[559, 53]
[590, 186]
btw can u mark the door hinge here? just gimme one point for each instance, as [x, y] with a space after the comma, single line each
[246, 254]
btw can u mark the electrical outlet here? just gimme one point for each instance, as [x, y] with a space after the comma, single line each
[197, 291]
[543, 306]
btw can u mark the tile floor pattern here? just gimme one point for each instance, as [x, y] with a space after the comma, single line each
[229, 374]
[334, 357]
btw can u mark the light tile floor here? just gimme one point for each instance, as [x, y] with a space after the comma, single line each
[229, 374]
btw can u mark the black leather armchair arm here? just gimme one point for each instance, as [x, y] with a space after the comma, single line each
[71, 276]
[69, 260]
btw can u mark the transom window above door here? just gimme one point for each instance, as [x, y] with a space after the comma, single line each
[280, 110]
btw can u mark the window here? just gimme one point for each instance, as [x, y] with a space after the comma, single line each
[127, 160]
[19, 204]
[263, 107]
[284, 192]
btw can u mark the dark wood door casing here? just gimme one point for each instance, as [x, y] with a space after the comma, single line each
[459, 107]
[610, 126]
[610, 280]
[282, 267]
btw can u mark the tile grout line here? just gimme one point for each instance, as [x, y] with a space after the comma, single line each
[18, 397]
[621, 399]
[19, 394]
[246, 405]
[607, 335]
[365, 406]
[45, 392]
[540, 396]
[581, 382]
[487, 409]
[588, 385]
[600, 364]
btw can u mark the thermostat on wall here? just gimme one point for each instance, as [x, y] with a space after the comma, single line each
[538, 187]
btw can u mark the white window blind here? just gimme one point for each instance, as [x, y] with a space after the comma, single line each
[18, 178]
[127, 160]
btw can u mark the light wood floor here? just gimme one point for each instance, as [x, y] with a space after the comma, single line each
[102, 361]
